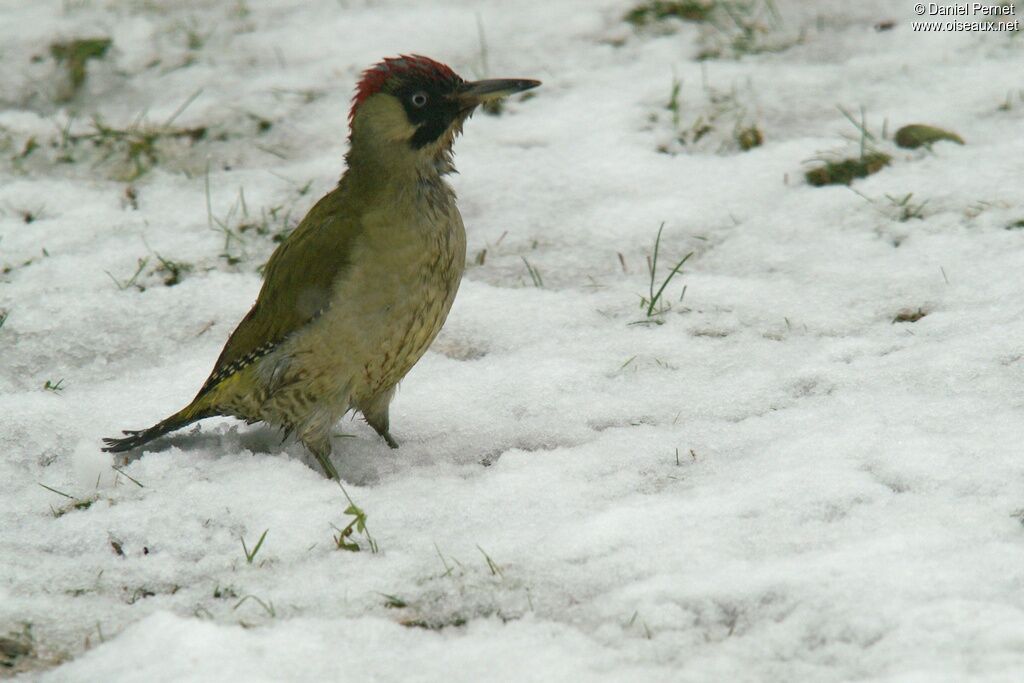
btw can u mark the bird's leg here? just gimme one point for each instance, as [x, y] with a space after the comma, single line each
[321, 449]
[375, 411]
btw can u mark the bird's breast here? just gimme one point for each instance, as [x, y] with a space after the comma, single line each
[391, 301]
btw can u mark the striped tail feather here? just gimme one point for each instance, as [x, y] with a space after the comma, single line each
[134, 439]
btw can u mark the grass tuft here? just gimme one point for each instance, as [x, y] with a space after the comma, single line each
[251, 555]
[75, 504]
[538, 281]
[171, 271]
[491, 564]
[134, 149]
[727, 28]
[394, 602]
[55, 387]
[74, 55]
[133, 280]
[267, 606]
[342, 539]
[237, 226]
[127, 476]
[905, 209]
[714, 118]
[653, 306]
[137, 145]
[226, 593]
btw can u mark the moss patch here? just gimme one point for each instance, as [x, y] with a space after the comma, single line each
[749, 138]
[846, 171]
[659, 10]
[919, 135]
[909, 315]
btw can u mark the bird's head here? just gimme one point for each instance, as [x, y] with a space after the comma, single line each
[413, 106]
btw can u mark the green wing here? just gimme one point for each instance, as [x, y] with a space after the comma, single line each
[297, 283]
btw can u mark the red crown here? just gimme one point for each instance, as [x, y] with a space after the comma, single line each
[418, 66]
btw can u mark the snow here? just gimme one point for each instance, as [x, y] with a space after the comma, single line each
[777, 483]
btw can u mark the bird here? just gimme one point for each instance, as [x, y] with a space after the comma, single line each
[354, 296]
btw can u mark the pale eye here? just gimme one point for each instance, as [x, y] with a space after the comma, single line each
[419, 99]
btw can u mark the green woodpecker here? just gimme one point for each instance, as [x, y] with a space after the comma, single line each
[355, 295]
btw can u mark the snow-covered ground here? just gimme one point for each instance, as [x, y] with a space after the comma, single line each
[777, 482]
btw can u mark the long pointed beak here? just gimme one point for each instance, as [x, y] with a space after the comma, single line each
[478, 92]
